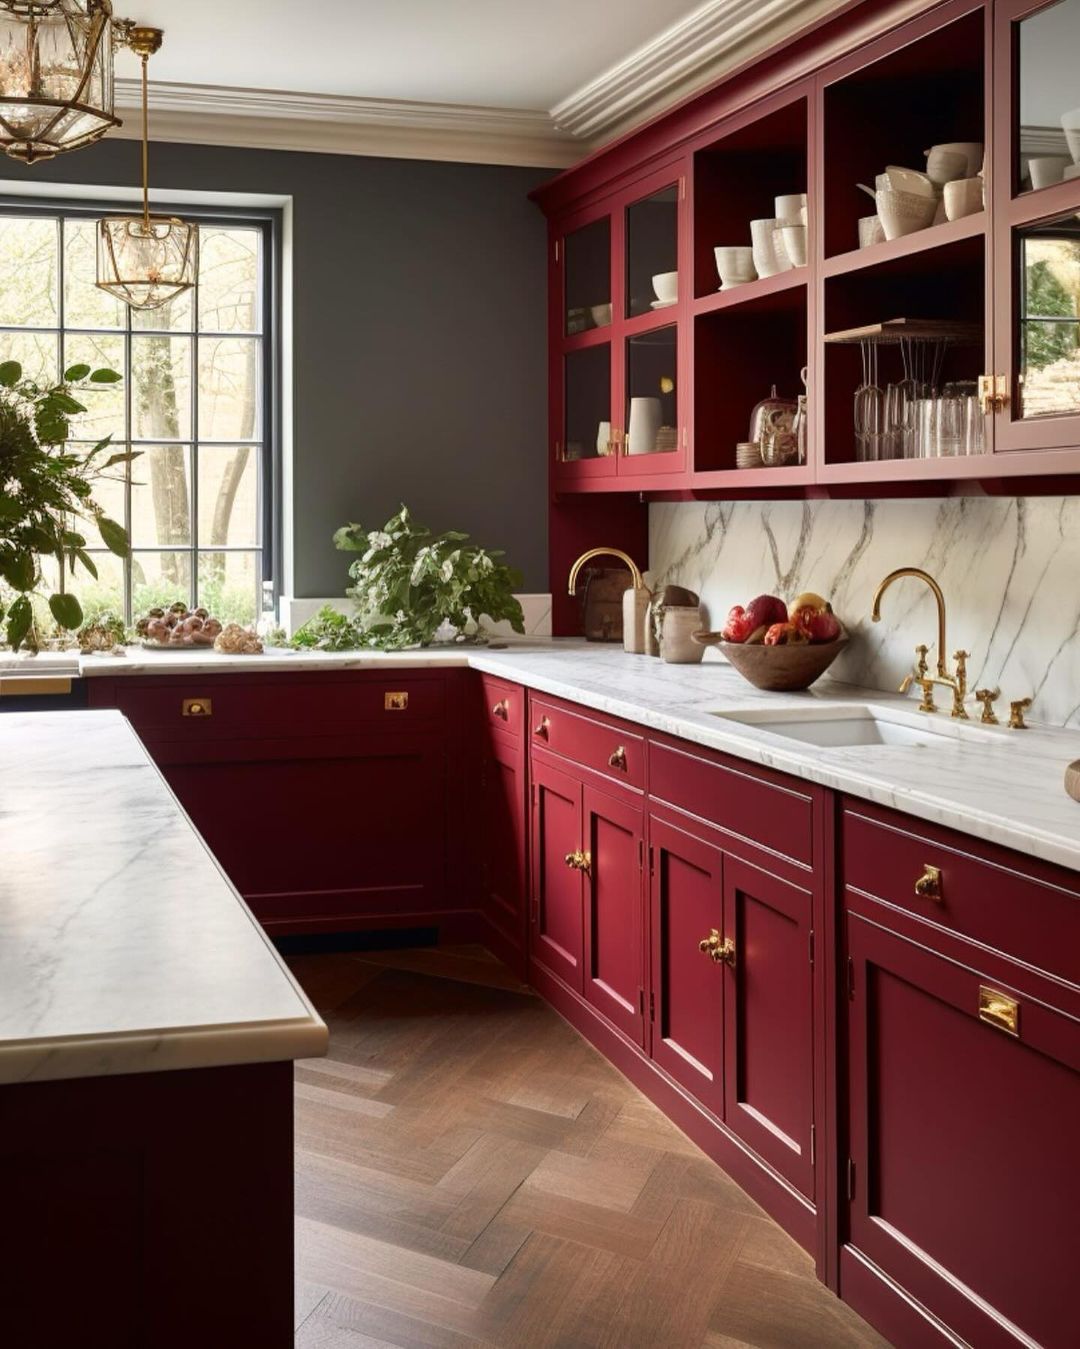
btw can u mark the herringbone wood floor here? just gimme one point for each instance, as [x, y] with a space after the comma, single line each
[469, 1171]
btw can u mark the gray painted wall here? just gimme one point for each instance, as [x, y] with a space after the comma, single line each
[419, 361]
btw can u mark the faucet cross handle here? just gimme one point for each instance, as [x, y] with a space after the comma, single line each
[1016, 714]
[988, 697]
[922, 666]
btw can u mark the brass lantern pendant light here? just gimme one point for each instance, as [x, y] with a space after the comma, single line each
[56, 76]
[146, 260]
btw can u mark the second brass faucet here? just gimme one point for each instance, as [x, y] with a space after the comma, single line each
[957, 681]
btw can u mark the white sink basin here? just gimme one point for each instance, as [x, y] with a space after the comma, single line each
[850, 727]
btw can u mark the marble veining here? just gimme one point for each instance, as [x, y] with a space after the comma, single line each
[1009, 568]
[123, 948]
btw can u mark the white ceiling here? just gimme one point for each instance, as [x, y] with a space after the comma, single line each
[494, 53]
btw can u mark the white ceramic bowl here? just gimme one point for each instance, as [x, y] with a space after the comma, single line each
[666, 286]
[944, 166]
[601, 314]
[870, 231]
[791, 209]
[1044, 170]
[971, 150]
[794, 240]
[904, 212]
[964, 197]
[734, 265]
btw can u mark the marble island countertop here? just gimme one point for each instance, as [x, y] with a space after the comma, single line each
[123, 948]
[1004, 786]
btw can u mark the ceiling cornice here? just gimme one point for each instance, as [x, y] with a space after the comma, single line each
[388, 128]
[691, 54]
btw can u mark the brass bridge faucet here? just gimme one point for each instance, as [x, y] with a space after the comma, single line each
[957, 681]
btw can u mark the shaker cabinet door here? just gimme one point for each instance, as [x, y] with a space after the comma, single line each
[768, 1019]
[964, 1102]
[502, 840]
[686, 908]
[557, 891]
[614, 923]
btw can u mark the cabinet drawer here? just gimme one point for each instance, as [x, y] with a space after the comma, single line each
[503, 705]
[1024, 916]
[603, 745]
[225, 707]
[774, 816]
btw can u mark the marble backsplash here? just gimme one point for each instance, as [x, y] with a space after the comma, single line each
[1009, 567]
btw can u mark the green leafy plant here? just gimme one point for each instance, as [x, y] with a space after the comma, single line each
[328, 630]
[46, 494]
[408, 582]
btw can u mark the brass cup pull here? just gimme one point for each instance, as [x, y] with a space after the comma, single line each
[197, 707]
[501, 710]
[542, 728]
[999, 1010]
[929, 885]
[720, 950]
[618, 759]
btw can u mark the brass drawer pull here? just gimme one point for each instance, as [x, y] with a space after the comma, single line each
[929, 885]
[999, 1010]
[501, 709]
[395, 702]
[618, 759]
[197, 707]
[720, 950]
[542, 728]
[578, 860]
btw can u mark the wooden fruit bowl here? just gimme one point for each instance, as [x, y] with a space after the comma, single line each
[777, 669]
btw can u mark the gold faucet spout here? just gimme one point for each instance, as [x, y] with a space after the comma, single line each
[935, 590]
[635, 571]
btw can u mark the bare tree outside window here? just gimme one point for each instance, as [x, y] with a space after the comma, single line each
[192, 403]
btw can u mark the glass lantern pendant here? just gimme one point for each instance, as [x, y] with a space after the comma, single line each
[146, 260]
[56, 76]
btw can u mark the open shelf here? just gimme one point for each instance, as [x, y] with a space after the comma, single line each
[769, 293]
[738, 178]
[923, 241]
[891, 110]
[739, 354]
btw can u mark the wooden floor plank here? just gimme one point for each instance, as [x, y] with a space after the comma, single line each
[471, 1174]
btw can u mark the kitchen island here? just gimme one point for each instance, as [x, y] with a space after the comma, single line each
[147, 1033]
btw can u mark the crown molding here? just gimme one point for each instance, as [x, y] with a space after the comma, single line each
[322, 123]
[693, 53]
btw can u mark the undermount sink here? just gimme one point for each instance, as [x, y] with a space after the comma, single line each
[851, 727]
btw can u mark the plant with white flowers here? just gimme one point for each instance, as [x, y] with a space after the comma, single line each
[408, 582]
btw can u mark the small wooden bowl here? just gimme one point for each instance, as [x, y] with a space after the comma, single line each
[779, 669]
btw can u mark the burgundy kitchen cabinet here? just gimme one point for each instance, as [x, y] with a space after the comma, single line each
[687, 987]
[558, 936]
[324, 797]
[768, 1019]
[614, 972]
[964, 1115]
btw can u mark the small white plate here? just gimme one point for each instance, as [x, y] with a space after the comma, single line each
[662, 304]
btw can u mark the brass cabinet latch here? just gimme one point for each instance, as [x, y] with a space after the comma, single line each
[999, 1010]
[720, 950]
[395, 702]
[578, 860]
[993, 393]
[928, 886]
[197, 707]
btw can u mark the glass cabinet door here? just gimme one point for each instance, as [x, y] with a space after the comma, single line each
[652, 411]
[652, 252]
[587, 430]
[1034, 391]
[587, 289]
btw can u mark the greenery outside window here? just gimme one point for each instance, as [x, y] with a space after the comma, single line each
[197, 401]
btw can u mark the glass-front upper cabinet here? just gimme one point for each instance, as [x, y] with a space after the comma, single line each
[587, 277]
[652, 251]
[1034, 392]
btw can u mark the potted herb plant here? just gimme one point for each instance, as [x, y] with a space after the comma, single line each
[46, 494]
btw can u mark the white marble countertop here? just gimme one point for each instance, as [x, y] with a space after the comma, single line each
[1004, 786]
[123, 947]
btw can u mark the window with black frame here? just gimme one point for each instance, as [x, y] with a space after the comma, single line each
[196, 401]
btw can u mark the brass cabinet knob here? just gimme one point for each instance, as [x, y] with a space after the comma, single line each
[542, 728]
[578, 860]
[1016, 714]
[197, 707]
[929, 885]
[501, 709]
[618, 759]
[720, 950]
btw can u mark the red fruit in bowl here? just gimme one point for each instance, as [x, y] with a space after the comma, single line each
[777, 635]
[821, 626]
[766, 610]
[738, 626]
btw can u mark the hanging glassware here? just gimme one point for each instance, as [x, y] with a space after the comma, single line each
[146, 260]
[56, 76]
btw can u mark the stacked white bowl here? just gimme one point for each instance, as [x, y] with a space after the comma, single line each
[778, 243]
